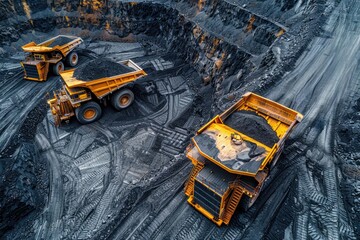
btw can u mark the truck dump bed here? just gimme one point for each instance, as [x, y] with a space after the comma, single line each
[61, 43]
[102, 86]
[214, 140]
[231, 155]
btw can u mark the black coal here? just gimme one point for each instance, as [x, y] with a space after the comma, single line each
[100, 68]
[60, 41]
[254, 126]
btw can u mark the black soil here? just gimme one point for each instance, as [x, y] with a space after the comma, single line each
[60, 41]
[24, 182]
[100, 68]
[254, 126]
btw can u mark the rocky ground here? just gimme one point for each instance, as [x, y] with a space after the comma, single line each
[122, 177]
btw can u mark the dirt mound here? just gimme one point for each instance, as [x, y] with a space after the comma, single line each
[254, 126]
[100, 68]
[60, 41]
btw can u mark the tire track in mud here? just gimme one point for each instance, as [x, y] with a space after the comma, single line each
[98, 218]
[318, 86]
[154, 226]
[153, 221]
[21, 102]
[10, 83]
[95, 198]
[51, 218]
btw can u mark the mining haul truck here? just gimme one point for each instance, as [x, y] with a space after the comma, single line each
[51, 54]
[233, 153]
[82, 98]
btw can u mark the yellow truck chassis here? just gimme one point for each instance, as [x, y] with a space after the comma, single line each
[219, 182]
[42, 56]
[76, 93]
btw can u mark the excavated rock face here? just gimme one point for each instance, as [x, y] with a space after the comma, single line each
[218, 38]
[9, 8]
[209, 54]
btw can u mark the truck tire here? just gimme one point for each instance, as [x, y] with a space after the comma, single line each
[122, 99]
[246, 202]
[58, 68]
[88, 112]
[72, 59]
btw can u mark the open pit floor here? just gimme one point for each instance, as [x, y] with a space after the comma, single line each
[123, 153]
[122, 177]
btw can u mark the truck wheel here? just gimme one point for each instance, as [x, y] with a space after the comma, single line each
[58, 68]
[246, 202]
[122, 99]
[88, 112]
[72, 59]
[57, 120]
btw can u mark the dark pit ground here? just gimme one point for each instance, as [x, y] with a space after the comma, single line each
[122, 177]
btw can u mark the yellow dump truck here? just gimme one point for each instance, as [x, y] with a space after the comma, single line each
[232, 155]
[82, 98]
[50, 54]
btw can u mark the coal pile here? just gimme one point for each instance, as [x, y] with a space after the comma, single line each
[100, 68]
[60, 41]
[254, 126]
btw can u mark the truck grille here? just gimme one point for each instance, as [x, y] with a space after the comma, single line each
[31, 71]
[207, 199]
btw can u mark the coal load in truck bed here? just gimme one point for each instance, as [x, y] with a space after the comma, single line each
[252, 125]
[100, 68]
[60, 41]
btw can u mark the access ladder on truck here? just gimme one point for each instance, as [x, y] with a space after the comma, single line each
[230, 167]
[51, 53]
[81, 98]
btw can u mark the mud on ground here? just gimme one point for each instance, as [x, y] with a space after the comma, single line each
[122, 177]
[114, 156]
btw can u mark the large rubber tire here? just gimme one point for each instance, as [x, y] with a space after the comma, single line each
[58, 68]
[123, 98]
[88, 112]
[57, 120]
[246, 202]
[72, 59]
